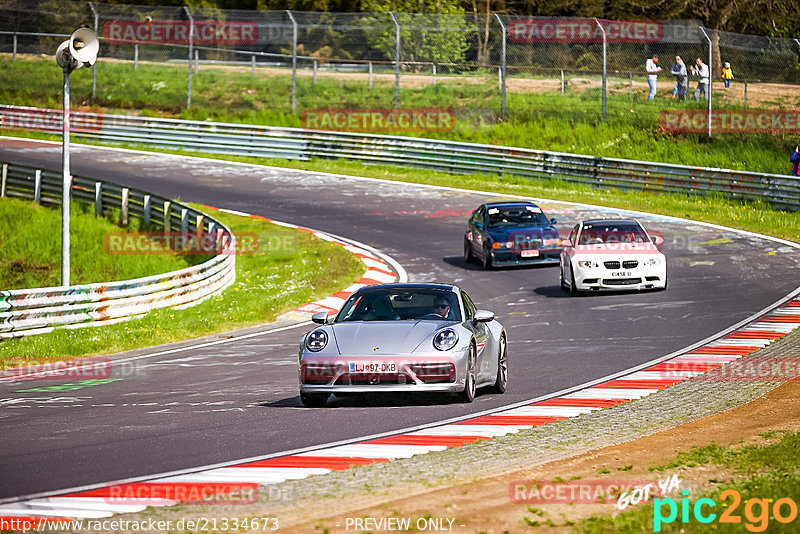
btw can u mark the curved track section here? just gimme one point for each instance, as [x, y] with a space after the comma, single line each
[208, 405]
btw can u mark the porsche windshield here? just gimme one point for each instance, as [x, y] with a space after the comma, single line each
[525, 215]
[401, 304]
[610, 233]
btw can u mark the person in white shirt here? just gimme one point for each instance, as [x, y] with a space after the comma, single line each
[652, 68]
[700, 70]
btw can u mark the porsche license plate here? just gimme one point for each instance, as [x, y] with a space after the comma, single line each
[373, 367]
[529, 253]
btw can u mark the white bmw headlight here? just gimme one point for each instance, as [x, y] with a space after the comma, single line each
[445, 340]
[316, 340]
[652, 261]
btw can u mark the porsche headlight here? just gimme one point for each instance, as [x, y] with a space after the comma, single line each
[588, 264]
[652, 261]
[316, 340]
[445, 340]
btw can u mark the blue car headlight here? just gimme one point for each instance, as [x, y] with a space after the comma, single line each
[445, 340]
[316, 340]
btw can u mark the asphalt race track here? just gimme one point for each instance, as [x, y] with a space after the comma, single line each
[239, 399]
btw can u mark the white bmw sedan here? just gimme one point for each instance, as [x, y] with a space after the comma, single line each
[612, 254]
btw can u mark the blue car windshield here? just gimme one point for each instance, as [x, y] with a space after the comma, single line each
[516, 216]
[401, 304]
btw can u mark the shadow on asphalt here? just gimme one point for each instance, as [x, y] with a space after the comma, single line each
[374, 400]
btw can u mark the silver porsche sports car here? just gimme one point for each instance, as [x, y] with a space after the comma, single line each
[403, 338]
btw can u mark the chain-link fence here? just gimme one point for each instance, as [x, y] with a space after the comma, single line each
[350, 70]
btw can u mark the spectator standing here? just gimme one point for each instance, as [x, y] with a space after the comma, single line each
[700, 70]
[795, 159]
[652, 68]
[681, 77]
[727, 75]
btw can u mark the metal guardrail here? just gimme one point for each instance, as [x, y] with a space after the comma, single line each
[782, 191]
[26, 312]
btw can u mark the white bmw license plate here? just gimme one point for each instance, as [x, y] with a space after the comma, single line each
[529, 253]
[622, 274]
[373, 367]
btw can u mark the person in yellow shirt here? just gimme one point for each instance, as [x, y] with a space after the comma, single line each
[727, 75]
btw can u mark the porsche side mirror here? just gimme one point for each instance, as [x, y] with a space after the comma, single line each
[320, 318]
[553, 220]
[484, 316]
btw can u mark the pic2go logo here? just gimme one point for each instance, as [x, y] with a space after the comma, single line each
[756, 511]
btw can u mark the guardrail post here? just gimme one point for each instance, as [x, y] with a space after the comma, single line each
[502, 69]
[396, 62]
[98, 199]
[3, 178]
[314, 79]
[184, 221]
[14, 53]
[135, 56]
[37, 187]
[605, 42]
[189, 60]
[146, 208]
[370, 74]
[167, 216]
[124, 206]
[198, 228]
[294, 60]
[94, 67]
[253, 69]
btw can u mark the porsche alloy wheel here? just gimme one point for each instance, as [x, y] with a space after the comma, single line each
[468, 395]
[502, 367]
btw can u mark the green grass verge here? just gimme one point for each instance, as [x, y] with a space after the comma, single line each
[542, 120]
[289, 268]
[30, 248]
[769, 472]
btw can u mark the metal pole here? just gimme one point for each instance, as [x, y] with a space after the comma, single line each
[14, 55]
[434, 74]
[66, 187]
[562, 82]
[745, 94]
[196, 61]
[189, 61]
[94, 67]
[370, 74]
[253, 69]
[605, 42]
[630, 88]
[294, 60]
[396, 62]
[136, 56]
[710, 77]
[314, 79]
[503, 68]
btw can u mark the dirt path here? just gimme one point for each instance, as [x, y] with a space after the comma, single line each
[486, 506]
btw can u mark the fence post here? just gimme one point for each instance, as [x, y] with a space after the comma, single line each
[630, 88]
[135, 56]
[253, 68]
[502, 68]
[294, 60]
[146, 201]
[562, 82]
[189, 60]
[37, 187]
[196, 61]
[3, 178]
[605, 43]
[316, 66]
[123, 208]
[710, 77]
[396, 62]
[94, 67]
[745, 94]
[434, 74]
[370, 74]
[14, 54]
[98, 199]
